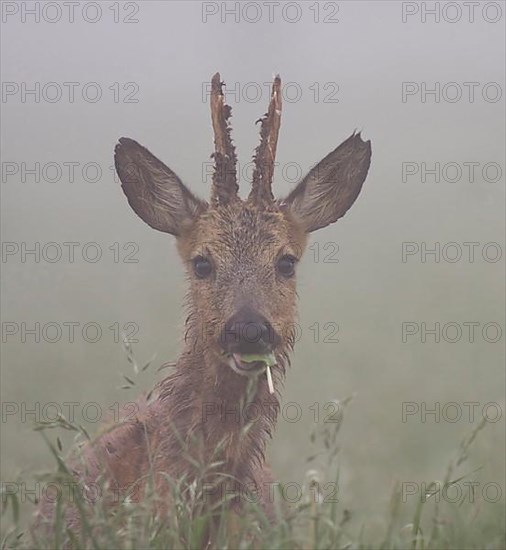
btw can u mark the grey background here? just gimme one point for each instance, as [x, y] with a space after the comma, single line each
[170, 54]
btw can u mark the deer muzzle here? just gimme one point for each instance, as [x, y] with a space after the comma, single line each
[248, 339]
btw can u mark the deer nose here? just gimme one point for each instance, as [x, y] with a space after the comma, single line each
[248, 332]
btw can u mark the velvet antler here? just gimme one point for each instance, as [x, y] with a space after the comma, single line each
[265, 153]
[225, 186]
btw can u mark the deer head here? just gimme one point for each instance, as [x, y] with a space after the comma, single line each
[241, 255]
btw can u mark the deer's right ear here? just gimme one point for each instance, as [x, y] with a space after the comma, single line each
[153, 190]
[332, 186]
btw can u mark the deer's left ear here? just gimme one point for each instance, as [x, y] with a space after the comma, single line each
[153, 190]
[331, 187]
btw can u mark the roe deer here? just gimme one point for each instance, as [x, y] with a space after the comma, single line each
[240, 257]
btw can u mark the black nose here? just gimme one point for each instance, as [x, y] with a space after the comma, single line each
[248, 332]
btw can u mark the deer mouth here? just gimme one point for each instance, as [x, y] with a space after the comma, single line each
[247, 363]
[244, 363]
[253, 365]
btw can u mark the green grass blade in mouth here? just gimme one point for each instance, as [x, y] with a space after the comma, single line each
[267, 358]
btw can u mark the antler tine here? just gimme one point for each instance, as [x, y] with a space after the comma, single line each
[265, 153]
[225, 176]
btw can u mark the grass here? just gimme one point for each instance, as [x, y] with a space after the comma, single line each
[424, 519]
[311, 523]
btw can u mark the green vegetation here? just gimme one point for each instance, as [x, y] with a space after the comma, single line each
[430, 518]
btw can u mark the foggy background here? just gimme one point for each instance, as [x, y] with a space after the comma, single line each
[164, 61]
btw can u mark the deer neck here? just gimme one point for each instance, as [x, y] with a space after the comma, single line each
[223, 416]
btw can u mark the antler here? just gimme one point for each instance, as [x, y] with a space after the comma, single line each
[225, 175]
[265, 153]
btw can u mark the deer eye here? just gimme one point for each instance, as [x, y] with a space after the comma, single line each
[202, 267]
[286, 265]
